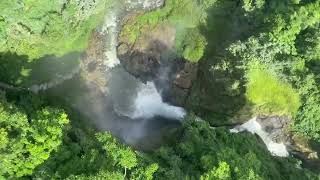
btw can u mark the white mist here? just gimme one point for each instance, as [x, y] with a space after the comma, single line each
[149, 103]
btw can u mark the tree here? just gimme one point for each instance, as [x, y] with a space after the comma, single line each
[221, 173]
[288, 46]
[307, 121]
[120, 154]
[187, 16]
[202, 152]
[251, 5]
[27, 141]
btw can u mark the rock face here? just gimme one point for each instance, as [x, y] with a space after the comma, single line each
[93, 69]
[255, 126]
[182, 83]
[276, 127]
[143, 58]
[151, 58]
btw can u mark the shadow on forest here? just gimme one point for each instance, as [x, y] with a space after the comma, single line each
[79, 148]
[314, 67]
[18, 70]
[79, 151]
[313, 164]
[91, 111]
[219, 93]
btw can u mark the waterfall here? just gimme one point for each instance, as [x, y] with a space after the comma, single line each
[252, 126]
[110, 29]
[112, 22]
[137, 100]
[149, 104]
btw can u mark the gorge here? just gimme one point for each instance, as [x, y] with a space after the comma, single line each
[159, 89]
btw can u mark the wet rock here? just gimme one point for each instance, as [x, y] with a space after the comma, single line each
[276, 127]
[185, 76]
[148, 60]
[182, 83]
[141, 65]
[93, 70]
[92, 66]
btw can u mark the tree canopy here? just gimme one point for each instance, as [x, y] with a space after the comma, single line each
[27, 140]
[37, 28]
[252, 57]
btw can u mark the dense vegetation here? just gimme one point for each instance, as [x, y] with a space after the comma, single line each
[289, 48]
[37, 28]
[255, 57]
[269, 94]
[28, 134]
[197, 151]
[185, 15]
[206, 153]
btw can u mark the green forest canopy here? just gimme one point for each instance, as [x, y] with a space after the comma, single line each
[257, 53]
[37, 28]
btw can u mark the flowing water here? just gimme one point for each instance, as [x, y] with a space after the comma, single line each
[252, 126]
[116, 11]
[133, 111]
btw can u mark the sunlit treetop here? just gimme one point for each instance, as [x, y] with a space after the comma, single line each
[37, 28]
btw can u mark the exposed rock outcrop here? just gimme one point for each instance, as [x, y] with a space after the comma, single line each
[93, 68]
[151, 58]
[182, 80]
[276, 129]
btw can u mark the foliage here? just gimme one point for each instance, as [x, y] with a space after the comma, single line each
[37, 28]
[192, 45]
[28, 140]
[201, 151]
[307, 121]
[85, 154]
[124, 157]
[101, 175]
[285, 32]
[185, 15]
[269, 94]
[264, 52]
[251, 5]
[121, 155]
[222, 172]
[80, 155]
[287, 44]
